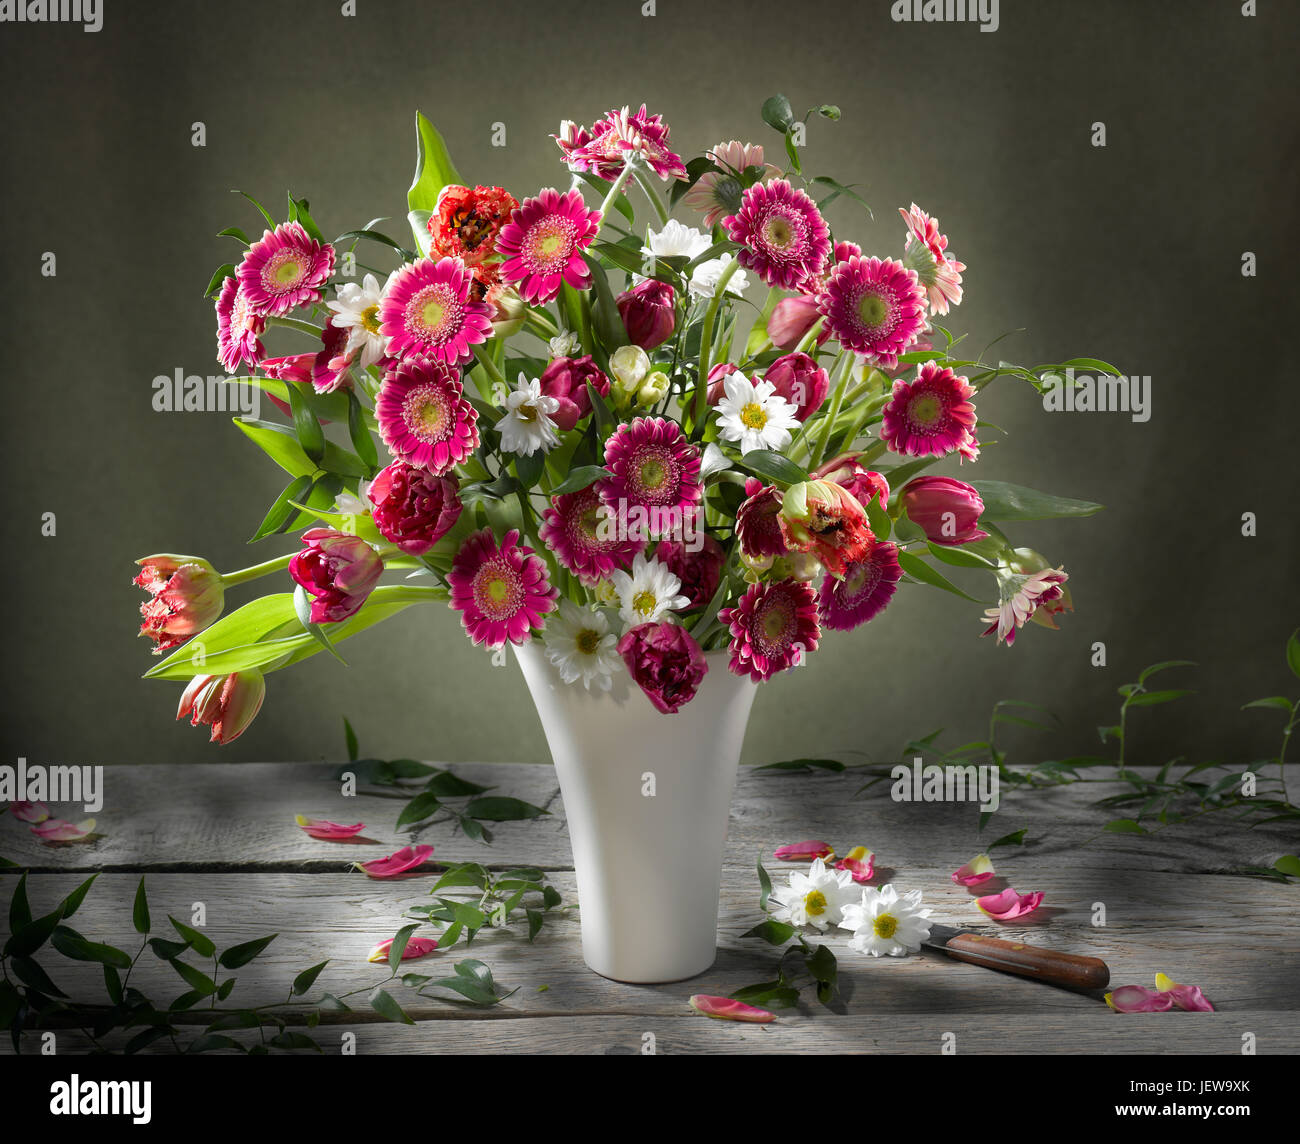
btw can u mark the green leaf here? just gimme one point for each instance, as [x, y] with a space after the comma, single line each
[310, 435]
[1015, 838]
[433, 167]
[768, 994]
[400, 940]
[464, 874]
[146, 1038]
[838, 189]
[579, 479]
[772, 932]
[302, 608]
[167, 950]
[264, 212]
[279, 443]
[32, 974]
[918, 569]
[422, 806]
[1003, 502]
[72, 945]
[300, 212]
[1156, 667]
[375, 236]
[601, 187]
[804, 765]
[140, 910]
[235, 232]
[238, 955]
[497, 809]
[290, 1040]
[283, 512]
[958, 557]
[1288, 864]
[1293, 653]
[1151, 698]
[72, 903]
[222, 272]
[764, 884]
[447, 785]
[200, 982]
[528, 469]
[1278, 701]
[20, 911]
[307, 978]
[606, 320]
[777, 113]
[1124, 826]
[201, 942]
[208, 1042]
[359, 432]
[350, 738]
[773, 466]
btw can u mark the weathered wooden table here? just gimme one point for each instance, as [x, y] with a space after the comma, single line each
[224, 835]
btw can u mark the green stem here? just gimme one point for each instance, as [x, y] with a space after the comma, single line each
[810, 338]
[489, 367]
[706, 342]
[542, 323]
[230, 579]
[845, 368]
[643, 178]
[616, 189]
[294, 324]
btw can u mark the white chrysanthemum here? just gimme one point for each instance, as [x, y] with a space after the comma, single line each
[886, 923]
[357, 310]
[605, 592]
[578, 641]
[704, 280]
[649, 593]
[754, 415]
[816, 898]
[565, 344]
[676, 241]
[526, 425]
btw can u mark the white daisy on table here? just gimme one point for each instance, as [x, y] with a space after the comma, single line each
[816, 898]
[526, 425]
[578, 641]
[887, 923]
[357, 310]
[753, 415]
[647, 594]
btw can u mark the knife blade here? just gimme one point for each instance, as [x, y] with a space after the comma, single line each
[1071, 970]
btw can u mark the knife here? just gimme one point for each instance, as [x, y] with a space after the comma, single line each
[1066, 969]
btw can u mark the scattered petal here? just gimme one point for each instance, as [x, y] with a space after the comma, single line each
[976, 872]
[1186, 997]
[803, 851]
[398, 862]
[56, 830]
[725, 1009]
[29, 811]
[860, 862]
[1138, 999]
[415, 947]
[329, 831]
[1008, 905]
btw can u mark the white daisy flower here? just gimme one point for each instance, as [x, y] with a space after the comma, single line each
[605, 592]
[754, 415]
[649, 593]
[578, 641]
[357, 309]
[704, 280]
[526, 425]
[886, 923]
[817, 898]
[676, 241]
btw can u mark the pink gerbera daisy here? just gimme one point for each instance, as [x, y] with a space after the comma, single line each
[543, 243]
[501, 593]
[285, 268]
[774, 626]
[238, 327]
[875, 307]
[867, 586]
[717, 193]
[931, 416]
[927, 254]
[619, 134]
[423, 416]
[571, 528]
[427, 309]
[784, 235]
[651, 463]
[1034, 596]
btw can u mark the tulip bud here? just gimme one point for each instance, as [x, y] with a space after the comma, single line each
[947, 510]
[226, 703]
[800, 381]
[790, 321]
[649, 313]
[339, 570]
[565, 344]
[186, 594]
[654, 389]
[717, 381]
[846, 471]
[565, 379]
[826, 520]
[629, 365]
[508, 315]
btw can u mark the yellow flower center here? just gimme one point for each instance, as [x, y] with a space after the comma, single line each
[432, 314]
[588, 641]
[752, 416]
[885, 925]
[925, 410]
[644, 602]
[872, 309]
[287, 272]
[370, 318]
[814, 903]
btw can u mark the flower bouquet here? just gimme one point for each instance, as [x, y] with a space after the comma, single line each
[607, 449]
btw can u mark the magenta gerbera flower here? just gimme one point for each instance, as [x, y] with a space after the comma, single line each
[652, 464]
[501, 593]
[784, 235]
[774, 626]
[285, 268]
[543, 244]
[931, 416]
[873, 307]
[423, 416]
[427, 309]
[572, 529]
[605, 148]
[927, 254]
[238, 327]
[867, 586]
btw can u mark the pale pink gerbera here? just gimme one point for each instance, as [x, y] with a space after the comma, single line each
[1021, 597]
[423, 416]
[717, 193]
[774, 626]
[616, 136]
[874, 307]
[543, 244]
[285, 268]
[926, 253]
[931, 416]
[582, 534]
[652, 464]
[501, 593]
[238, 327]
[784, 235]
[868, 585]
[426, 309]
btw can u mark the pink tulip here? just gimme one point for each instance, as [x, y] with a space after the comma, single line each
[700, 572]
[947, 510]
[848, 473]
[649, 313]
[565, 379]
[339, 570]
[328, 831]
[717, 376]
[726, 1009]
[186, 594]
[790, 321]
[226, 703]
[664, 660]
[803, 851]
[800, 381]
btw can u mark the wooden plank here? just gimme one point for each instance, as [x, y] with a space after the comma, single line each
[237, 817]
[1233, 937]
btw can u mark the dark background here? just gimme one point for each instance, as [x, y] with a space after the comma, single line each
[1131, 253]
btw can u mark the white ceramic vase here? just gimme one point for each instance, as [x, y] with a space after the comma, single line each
[647, 797]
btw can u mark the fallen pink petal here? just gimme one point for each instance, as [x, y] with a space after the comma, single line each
[860, 862]
[29, 811]
[1009, 905]
[415, 947]
[803, 851]
[727, 1009]
[1187, 997]
[1138, 999]
[976, 872]
[56, 830]
[398, 862]
[328, 831]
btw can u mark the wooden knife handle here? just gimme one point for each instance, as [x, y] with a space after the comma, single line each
[1068, 969]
